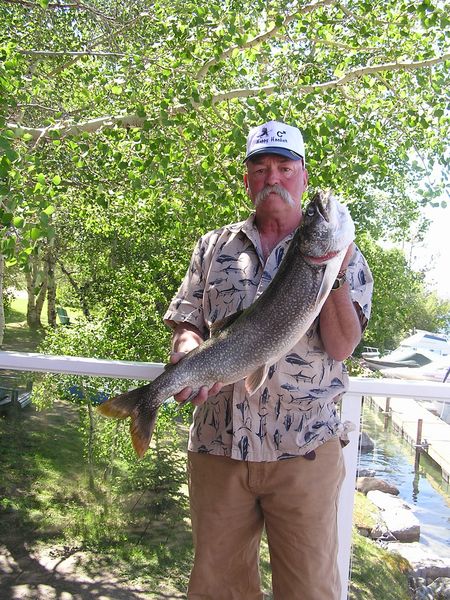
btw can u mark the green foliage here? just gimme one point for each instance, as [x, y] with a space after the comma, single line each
[122, 133]
[107, 441]
[365, 513]
[401, 301]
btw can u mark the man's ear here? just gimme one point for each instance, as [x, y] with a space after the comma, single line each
[246, 181]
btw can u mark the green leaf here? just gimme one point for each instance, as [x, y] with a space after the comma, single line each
[6, 218]
[56, 180]
[35, 233]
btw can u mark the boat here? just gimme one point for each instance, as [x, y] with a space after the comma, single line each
[401, 357]
[436, 370]
[415, 351]
[437, 343]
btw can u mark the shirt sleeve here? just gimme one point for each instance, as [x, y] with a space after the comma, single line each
[361, 282]
[187, 304]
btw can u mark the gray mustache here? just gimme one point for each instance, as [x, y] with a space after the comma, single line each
[277, 189]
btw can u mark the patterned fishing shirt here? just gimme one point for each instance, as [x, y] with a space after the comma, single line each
[294, 411]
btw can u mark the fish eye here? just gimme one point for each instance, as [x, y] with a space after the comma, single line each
[310, 211]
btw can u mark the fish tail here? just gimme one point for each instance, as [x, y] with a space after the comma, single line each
[136, 405]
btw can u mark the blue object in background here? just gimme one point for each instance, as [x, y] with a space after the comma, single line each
[97, 397]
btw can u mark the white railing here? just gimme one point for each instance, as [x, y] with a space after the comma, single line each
[350, 411]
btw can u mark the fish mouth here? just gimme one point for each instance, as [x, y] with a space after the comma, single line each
[317, 260]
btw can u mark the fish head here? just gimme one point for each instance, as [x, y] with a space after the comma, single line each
[326, 229]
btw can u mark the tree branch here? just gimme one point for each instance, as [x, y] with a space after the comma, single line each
[78, 291]
[259, 39]
[100, 39]
[372, 69]
[341, 46]
[50, 53]
[137, 121]
[56, 5]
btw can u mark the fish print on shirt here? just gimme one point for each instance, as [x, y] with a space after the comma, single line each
[295, 359]
[294, 411]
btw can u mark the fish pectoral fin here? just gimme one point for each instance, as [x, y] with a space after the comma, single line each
[255, 380]
[219, 326]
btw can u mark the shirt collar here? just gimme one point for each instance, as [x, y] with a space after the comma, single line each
[249, 229]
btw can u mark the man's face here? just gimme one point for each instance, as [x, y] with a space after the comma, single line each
[269, 174]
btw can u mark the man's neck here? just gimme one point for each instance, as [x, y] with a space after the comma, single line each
[278, 223]
[275, 227]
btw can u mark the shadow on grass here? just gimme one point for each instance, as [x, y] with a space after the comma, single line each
[140, 547]
[15, 315]
[31, 579]
[19, 337]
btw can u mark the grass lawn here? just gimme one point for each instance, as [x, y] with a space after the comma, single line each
[48, 505]
[17, 335]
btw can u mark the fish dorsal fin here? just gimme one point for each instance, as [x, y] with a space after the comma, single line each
[255, 380]
[219, 326]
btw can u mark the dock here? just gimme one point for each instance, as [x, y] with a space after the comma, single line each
[405, 414]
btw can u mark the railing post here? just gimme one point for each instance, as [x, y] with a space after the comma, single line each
[350, 411]
[387, 412]
[418, 444]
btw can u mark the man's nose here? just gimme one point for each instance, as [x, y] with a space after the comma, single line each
[272, 176]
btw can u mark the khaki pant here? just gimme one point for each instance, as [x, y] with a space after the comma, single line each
[296, 500]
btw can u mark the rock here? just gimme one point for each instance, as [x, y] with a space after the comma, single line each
[366, 444]
[423, 593]
[441, 588]
[387, 501]
[368, 484]
[381, 533]
[424, 563]
[365, 473]
[364, 531]
[437, 590]
[397, 516]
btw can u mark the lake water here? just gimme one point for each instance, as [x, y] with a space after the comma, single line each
[429, 496]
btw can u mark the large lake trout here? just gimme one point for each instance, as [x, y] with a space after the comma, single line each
[249, 342]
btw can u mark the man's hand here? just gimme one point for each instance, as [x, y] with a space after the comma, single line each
[203, 392]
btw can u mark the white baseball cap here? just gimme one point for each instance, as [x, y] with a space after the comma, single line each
[275, 137]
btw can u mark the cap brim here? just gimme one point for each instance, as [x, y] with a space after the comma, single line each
[274, 150]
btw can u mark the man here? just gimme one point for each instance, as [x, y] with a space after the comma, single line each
[274, 459]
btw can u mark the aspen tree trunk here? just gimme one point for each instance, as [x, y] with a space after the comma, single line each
[2, 308]
[51, 289]
[35, 301]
